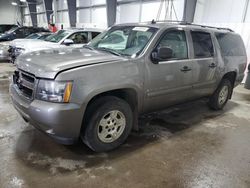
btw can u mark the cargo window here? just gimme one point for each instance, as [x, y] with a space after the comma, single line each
[176, 40]
[203, 46]
[230, 44]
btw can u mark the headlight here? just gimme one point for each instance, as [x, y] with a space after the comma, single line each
[54, 91]
[19, 51]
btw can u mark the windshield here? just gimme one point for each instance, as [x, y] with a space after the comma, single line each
[33, 36]
[12, 30]
[124, 40]
[57, 37]
[4, 28]
[44, 37]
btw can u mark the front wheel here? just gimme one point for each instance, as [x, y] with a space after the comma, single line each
[220, 97]
[108, 123]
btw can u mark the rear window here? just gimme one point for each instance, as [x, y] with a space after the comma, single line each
[203, 46]
[230, 44]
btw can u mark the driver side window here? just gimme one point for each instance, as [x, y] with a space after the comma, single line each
[175, 40]
[79, 38]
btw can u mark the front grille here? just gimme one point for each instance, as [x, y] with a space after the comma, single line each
[25, 83]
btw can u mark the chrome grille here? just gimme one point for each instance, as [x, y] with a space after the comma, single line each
[25, 83]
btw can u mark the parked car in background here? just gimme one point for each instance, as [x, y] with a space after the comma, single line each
[6, 50]
[20, 32]
[96, 93]
[67, 37]
[40, 35]
[6, 27]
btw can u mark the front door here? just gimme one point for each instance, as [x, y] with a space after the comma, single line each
[170, 81]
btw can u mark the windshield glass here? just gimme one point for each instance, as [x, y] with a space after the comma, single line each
[44, 36]
[33, 36]
[12, 30]
[124, 40]
[57, 37]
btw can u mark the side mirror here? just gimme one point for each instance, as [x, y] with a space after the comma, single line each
[162, 54]
[68, 42]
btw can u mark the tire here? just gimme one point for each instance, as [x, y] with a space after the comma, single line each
[218, 100]
[113, 112]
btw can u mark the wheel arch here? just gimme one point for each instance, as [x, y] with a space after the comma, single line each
[130, 95]
[231, 76]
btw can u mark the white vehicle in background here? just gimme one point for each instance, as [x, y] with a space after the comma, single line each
[4, 46]
[67, 37]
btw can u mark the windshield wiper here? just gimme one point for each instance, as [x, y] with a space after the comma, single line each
[108, 50]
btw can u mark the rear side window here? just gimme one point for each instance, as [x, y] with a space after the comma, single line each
[94, 34]
[203, 46]
[230, 44]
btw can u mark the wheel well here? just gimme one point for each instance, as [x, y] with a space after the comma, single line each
[129, 95]
[231, 76]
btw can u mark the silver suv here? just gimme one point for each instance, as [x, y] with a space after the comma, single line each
[97, 92]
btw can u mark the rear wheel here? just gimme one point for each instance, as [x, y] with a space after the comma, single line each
[108, 123]
[220, 97]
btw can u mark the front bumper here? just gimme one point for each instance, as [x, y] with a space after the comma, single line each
[60, 121]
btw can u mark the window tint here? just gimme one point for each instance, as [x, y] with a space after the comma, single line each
[203, 46]
[79, 38]
[94, 34]
[176, 40]
[230, 44]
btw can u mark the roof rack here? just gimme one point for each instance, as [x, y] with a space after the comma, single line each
[212, 27]
[169, 21]
[188, 23]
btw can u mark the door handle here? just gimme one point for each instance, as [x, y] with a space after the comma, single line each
[212, 65]
[185, 69]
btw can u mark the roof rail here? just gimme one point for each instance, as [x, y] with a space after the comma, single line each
[188, 23]
[169, 21]
[212, 27]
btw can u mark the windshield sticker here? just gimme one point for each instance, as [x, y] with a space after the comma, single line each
[140, 29]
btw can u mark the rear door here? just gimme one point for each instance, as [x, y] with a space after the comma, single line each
[204, 63]
[170, 81]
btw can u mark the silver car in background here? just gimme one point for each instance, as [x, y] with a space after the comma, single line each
[5, 49]
[66, 37]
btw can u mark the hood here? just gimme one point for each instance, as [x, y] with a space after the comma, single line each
[47, 63]
[21, 41]
[31, 45]
[5, 44]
